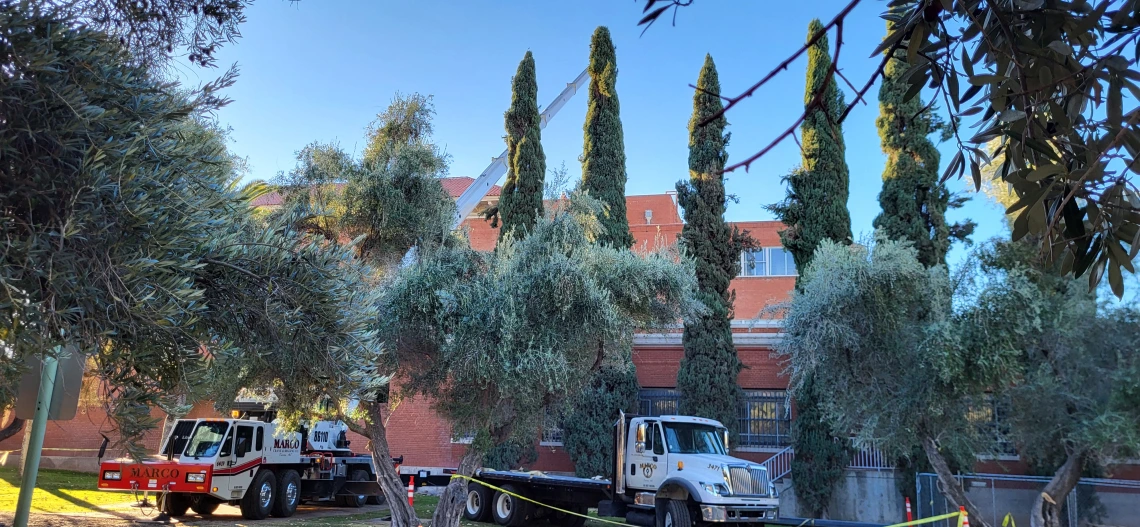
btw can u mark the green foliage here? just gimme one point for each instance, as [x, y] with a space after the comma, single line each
[913, 199]
[91, 258]
[820, 460]
[520, 202]
[298, 315]
[1050, 85]
[152, 30]
[1078, 392]
[875, 326]
[613, 387]
[494, 339]
[815, 208]
[406, 122]
[391, 200]
[707, 376]
[129, 240]
[588, 431]
[511, 455]
[603, 155]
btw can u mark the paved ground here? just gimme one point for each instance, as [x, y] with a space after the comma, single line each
[313, 515]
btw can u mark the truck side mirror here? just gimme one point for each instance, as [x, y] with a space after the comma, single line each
[724, 432]
[639, 444]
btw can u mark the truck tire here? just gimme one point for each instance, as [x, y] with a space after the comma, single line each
[288, 494]
[258, 499]
[204, 505]
[354, 501]
[175, 504]
[676, 514]
[508, 510]
[561, 519]
[478, 505]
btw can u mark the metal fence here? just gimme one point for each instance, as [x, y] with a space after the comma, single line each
[869, 458]
[1094, 502]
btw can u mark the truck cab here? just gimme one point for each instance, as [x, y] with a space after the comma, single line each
[206, 462]
[685, 460]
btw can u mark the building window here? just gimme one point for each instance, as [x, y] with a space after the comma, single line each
[463, 439]
[767, 261]
[765, 419]
[552, 428]
[652, 402]
[992, 419]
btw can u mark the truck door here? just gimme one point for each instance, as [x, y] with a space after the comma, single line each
[240, 458]
[647, 463]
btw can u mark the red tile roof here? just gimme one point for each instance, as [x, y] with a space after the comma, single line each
[453, 185]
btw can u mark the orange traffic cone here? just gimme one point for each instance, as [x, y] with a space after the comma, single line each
[909, 518]
[411, 489]
[964, 517]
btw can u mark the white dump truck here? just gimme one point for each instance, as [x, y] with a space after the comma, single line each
[206, 462]
[668, 471]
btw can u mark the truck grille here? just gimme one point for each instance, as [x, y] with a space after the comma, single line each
[748, 481]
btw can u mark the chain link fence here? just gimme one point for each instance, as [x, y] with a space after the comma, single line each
[1093, 503]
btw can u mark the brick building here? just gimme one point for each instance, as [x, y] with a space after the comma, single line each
[425, 440]
[768, 275]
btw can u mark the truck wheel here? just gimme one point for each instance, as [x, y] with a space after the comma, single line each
[356, 500]
[175, 504]
[289, 494]
[204, 505]
[258, 499]
[676, 514]
[561, 519]
[509, 510]
[478, 505]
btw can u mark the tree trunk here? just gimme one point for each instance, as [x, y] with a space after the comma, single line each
[403, 515]
[951, 489]
[454, 497]
[1047, 505]
[12, 429]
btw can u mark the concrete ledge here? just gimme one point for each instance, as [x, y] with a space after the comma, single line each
[72, 463]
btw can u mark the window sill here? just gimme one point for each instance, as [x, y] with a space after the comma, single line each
[762, 449]
[768, 276]
[550, 443]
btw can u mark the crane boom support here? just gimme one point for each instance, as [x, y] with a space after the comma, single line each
[482, 184]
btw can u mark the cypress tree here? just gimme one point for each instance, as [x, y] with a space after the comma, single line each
[707, 377]
[603, 154]
[914, 205]
[614, 387]
[520, 202]
[815, 209]
[914, 202]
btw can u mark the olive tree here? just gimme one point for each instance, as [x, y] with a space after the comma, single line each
[129, 240]
[876, 327]
[495, 338]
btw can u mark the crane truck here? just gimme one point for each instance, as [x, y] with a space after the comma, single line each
[204, 463]
[667, 471]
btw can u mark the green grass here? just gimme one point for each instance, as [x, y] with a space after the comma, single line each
[59, 491]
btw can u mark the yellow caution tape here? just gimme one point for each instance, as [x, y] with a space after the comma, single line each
[930, 520]
[564, 511]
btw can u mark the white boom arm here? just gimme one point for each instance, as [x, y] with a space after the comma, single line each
[475, 193]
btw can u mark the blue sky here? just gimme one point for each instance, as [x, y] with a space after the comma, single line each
[318, 70]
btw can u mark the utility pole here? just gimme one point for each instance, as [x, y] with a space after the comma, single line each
[35, 443]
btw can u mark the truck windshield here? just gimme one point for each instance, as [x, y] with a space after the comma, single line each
[206, 439]
[691, 438]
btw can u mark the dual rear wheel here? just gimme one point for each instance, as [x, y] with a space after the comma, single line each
[507, 509]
